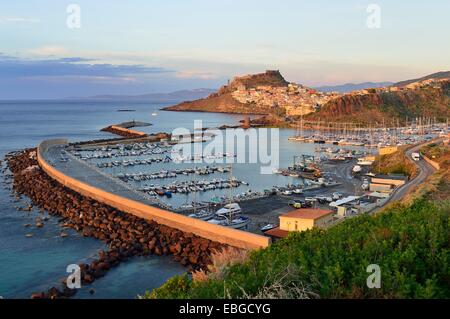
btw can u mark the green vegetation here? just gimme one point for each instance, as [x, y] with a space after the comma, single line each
[395, 163]
[437, 152]
[409, 243]
[385, 108]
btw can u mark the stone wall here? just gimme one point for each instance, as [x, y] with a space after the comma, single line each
[225, 235]
[432, 163]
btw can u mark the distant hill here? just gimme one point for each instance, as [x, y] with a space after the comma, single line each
[349, 87]
[378, 105]
[438, 75]
[181, 95]
[366, 103]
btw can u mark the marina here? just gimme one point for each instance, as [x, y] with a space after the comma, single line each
[200, 191]
[144, 170]
[190, 186]
[350, 134]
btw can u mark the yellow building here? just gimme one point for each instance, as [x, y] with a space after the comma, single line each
[394, 180]
[300, 220]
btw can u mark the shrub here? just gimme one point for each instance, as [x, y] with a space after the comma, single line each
[409, 243]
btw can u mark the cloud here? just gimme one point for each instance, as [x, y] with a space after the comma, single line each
[49, 50]
[5, 20]
[11, 67]
[73, 79]
[195, 75]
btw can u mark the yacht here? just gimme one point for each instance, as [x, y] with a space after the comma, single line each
[232, 209]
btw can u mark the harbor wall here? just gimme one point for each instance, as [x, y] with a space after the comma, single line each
[432, 163]
[127, 130]
[225, 235]
[121, 131]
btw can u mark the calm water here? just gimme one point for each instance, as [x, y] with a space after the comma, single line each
[32, 264]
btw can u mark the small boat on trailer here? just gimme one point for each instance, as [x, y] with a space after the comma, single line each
[203, 215]
[268, 227]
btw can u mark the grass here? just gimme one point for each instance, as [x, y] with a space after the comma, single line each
[437, 152]
[395, 163]
[409, 243]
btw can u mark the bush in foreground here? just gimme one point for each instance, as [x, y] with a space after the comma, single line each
[409, 243]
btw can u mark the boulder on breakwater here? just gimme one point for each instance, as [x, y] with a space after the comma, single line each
[125, 234]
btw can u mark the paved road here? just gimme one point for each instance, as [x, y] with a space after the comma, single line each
[424, 171]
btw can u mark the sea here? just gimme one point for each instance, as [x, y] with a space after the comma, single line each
[33, 264]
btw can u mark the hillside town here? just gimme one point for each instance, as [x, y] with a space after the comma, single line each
[296, 99]
[433, 83]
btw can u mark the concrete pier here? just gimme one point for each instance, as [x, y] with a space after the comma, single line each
[92, 183]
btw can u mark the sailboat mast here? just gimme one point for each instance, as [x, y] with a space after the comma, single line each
[194, 194]
[231, 185]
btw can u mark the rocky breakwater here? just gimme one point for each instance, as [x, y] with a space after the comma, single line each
[125, 132]
[125, 234]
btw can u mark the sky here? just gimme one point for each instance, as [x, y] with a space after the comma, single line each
[149, 46]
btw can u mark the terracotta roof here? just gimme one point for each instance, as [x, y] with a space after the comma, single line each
[277, 232]
[308, 213]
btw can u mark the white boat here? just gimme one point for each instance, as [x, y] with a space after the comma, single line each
[364, 163]
[356, 169]
[236, 223]
[203, 215]
[336, 196]
[268, 227]
[229, 209]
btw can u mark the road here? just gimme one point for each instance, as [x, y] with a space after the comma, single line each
[424, 171]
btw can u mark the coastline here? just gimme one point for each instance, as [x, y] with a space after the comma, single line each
[125, 234]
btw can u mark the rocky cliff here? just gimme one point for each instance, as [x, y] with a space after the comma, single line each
[270, 93]
[427, 101]
[222, 101]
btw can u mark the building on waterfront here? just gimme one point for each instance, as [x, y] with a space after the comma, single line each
[346, 206]
[300, 220]
[380, 188]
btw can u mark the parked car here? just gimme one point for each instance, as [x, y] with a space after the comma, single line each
[321, 199]
[336, 196]
[310, 200]
[299, 204]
